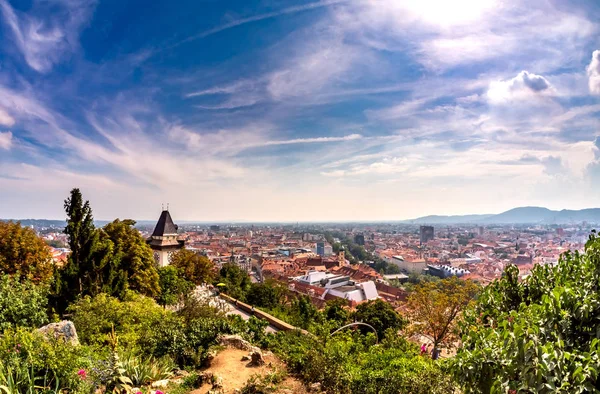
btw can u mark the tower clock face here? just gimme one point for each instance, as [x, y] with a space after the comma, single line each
[156, 257]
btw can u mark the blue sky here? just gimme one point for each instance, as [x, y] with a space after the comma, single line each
[294, 110]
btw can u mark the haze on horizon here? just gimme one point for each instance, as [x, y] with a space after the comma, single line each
[331, 110]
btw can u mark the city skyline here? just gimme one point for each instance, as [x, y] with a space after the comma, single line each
[292, 111]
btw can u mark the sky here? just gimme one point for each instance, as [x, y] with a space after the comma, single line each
[276, 110]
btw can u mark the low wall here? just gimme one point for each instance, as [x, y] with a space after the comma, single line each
[272, 320]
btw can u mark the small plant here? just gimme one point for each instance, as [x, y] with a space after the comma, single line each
[144, 370]
[117, 382]
[264, 384]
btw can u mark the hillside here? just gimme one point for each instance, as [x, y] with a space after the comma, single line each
[520, 215]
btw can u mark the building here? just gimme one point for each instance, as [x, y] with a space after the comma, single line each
[417, 266]
[321, 249]
[359, 239]
[426, 233]
[340, 286]
[164, 240]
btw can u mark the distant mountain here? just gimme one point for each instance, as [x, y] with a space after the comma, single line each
[453, 219]
[521, 215]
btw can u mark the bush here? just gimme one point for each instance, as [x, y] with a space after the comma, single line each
[22, 304]
[132, 318]
[28, 358]
[143, 370]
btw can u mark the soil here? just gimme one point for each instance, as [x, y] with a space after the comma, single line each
[235, 373]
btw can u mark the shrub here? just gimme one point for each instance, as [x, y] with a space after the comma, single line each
[29, 358]
[143, 370]
[22, 303]
[132, 318]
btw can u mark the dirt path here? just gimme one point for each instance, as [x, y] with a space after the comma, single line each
[235, 373]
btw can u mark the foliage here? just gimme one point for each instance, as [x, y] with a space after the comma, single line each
[380, 315]
[132, 318]
[192, 266]
[23, 254]
[236, 280]
[173, 287]
[145, 369]
[265, 295]
[132, 259]
[117, 381]
[352, 363]
[28, 359]
[337, 311]
[435, 306]
[538, 335]
[22, 303]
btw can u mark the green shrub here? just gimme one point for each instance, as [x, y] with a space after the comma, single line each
[132, 318]
[22, 303]
[28, 358]
[145, 369]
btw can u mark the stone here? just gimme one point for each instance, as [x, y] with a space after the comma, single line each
[245, 358]
[256, 359]
[237, 342]
[64, 330]
[160, 383]
[315, 387]
[217, 382]
[210, 356]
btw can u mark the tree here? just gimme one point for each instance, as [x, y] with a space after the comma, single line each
[132, 262]
[265, 295]
[194, 267]
[535, 335]
[22, 303]
[82, 237]
[380, 315]
[23, 254]
[337, 310]
[435, 306]
[173, 287]
[236, 280]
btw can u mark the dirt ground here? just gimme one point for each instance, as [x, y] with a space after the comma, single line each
[235, 373]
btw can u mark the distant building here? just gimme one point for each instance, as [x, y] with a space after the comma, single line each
[340, 286]
[480, 230]
[164, 240]
[426, 233]
[321, 249]
[359, 239]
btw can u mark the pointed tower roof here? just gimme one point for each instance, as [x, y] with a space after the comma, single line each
[165, 225]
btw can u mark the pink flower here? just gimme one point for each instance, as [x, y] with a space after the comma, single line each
[158, 392]
[139, 392]
[82, 374]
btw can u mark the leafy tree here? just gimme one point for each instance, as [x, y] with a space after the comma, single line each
[435, 306]
[83, 238]
[173, 287]
[536, 335]
[23, 253]
[265, 295]
[194, 267]
[380, 315]
[22, 303]
[337, 311]
[236, 280]
[132, 262]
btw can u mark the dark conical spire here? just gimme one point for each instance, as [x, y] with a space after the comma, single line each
[165, 225]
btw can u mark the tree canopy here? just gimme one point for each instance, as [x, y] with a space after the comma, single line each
[380, 315]
[537, 335]
[435, 306]
[193, 267]
[23, 253]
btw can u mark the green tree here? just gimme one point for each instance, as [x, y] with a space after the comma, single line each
[173, 287]
[23, 254]
[337, 310]
[132, 262]
[536, 335]
[236, 280]
[265, 295]
[82, 238]
[194, 267]
[435, 306]
[22, 303]
[380, 315]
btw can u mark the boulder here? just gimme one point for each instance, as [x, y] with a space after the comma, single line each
[237, 342]
[160, 383]
[64, 330]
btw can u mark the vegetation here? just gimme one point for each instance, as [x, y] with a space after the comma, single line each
[22, 304]
[538, 335]
[435, 306]
[23, 254]
[192, 266]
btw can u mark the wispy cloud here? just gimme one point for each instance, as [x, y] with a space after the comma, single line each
[6, 140]
[6, 119]
[44, 42]
[593, 71]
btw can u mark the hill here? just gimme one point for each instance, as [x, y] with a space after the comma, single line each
[520, 215]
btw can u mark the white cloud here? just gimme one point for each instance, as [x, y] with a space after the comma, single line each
[522, 87]
[6, 140]
[593, 71]
[44, 42]
[5, 118]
